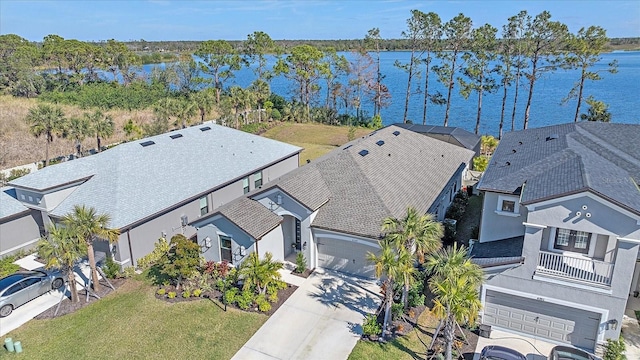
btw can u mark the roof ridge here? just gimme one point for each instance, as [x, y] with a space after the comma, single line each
[606, 145]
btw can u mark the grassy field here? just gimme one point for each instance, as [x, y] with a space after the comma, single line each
[133, 324]
[409, 347]
[316, 139]
[18, 146]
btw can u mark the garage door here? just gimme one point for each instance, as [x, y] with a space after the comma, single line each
[345, 256]
[542, 319]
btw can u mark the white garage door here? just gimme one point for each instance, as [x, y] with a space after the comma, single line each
[345, 256]
[542, 319]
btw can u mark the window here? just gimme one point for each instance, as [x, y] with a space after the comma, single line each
[257, 179]
[245, 185]
[225, 248]
[508, 205]
[572, 240]
[204, 206]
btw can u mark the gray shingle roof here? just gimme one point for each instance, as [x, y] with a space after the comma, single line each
[9, 205]
[407, 170]
[599, 157]
[131, 182]
[455, 135]
[251, 216]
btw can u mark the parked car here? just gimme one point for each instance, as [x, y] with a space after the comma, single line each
[570, 353]
[495, 352]
[24, 286]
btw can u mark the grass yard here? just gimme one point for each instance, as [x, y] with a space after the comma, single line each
[412, 346]
[133, 324]
[316, 139]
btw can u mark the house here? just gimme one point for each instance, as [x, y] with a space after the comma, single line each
[560, 231]
[20, 226]
[150, 188]
[331, 209]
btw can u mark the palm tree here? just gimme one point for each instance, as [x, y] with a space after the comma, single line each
[61, 249]
[87, 225]
[259, 274]
[78, 129]
[417, 234]
[391, 265]
[102, 126]
[48, 121]
[454, 281]
[205, 100]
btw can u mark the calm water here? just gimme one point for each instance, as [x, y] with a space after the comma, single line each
[621, 91]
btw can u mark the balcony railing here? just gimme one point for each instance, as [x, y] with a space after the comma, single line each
[575, 268]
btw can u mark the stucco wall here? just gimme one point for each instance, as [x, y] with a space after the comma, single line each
[494, 226]
[272, 242]
[445, 198]
[19, 232]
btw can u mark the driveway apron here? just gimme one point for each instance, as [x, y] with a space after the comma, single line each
[321, 320]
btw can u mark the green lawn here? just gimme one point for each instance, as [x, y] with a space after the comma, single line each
[316, 139]
[133, 324]
[412, 346]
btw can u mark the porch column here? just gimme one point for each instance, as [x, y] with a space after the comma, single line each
[531, 247]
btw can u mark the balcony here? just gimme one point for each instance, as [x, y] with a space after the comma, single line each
[581, 269]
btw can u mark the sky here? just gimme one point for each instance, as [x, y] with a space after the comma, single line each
[154, 20]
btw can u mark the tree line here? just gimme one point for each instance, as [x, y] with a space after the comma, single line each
[326, 87]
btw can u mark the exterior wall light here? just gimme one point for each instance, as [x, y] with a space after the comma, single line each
[612, 324]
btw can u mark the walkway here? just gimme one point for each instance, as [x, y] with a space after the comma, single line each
[321, 320]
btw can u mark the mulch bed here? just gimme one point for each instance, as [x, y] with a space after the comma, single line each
[305, 274]
[68, 307]
[216, 295]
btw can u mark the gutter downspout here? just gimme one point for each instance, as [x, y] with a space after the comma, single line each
[130, 249]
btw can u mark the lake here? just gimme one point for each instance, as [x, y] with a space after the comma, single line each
[621, 91]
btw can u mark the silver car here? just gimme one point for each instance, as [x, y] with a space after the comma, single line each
[24, 286]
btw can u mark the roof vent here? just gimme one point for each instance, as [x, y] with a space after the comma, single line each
[147, 143]
[380, 142]
[363, 152]
[396, 133]
[348, 146]
[175, 136]
[519, 142]
[205, 128]
[508, 163]
[552, 137]
[513, 151]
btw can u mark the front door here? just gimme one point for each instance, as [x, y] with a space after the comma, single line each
[225, 249]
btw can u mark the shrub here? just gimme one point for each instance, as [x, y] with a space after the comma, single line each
[171, 294]
[455, 211]
[301, 263]
[186, 294]
[230, 295]
[181, 261]
[273, 297]
[614, 350]
[263, 304]
[129, 272]
[160, 248]
[370, 327]
[396, 310]
[111, 268]
[245, 299]
[197, 292]
[161, 292]
[7, 267]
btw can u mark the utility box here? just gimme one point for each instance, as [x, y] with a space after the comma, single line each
[484, 331]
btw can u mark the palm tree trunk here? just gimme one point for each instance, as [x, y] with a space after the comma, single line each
[387, 309]
[73, 288]
[92, 265]
[405, 296]
[98, 141]
[449, 332]
[46, 153]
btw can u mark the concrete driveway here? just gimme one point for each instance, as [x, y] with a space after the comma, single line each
[321, 320]
[532, 348]
[42, 303]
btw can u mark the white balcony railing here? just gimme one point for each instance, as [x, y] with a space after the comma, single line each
[575, 268]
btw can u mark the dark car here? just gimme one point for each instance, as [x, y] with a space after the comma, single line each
[495, 352]
[24, 286]
[569, 353]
